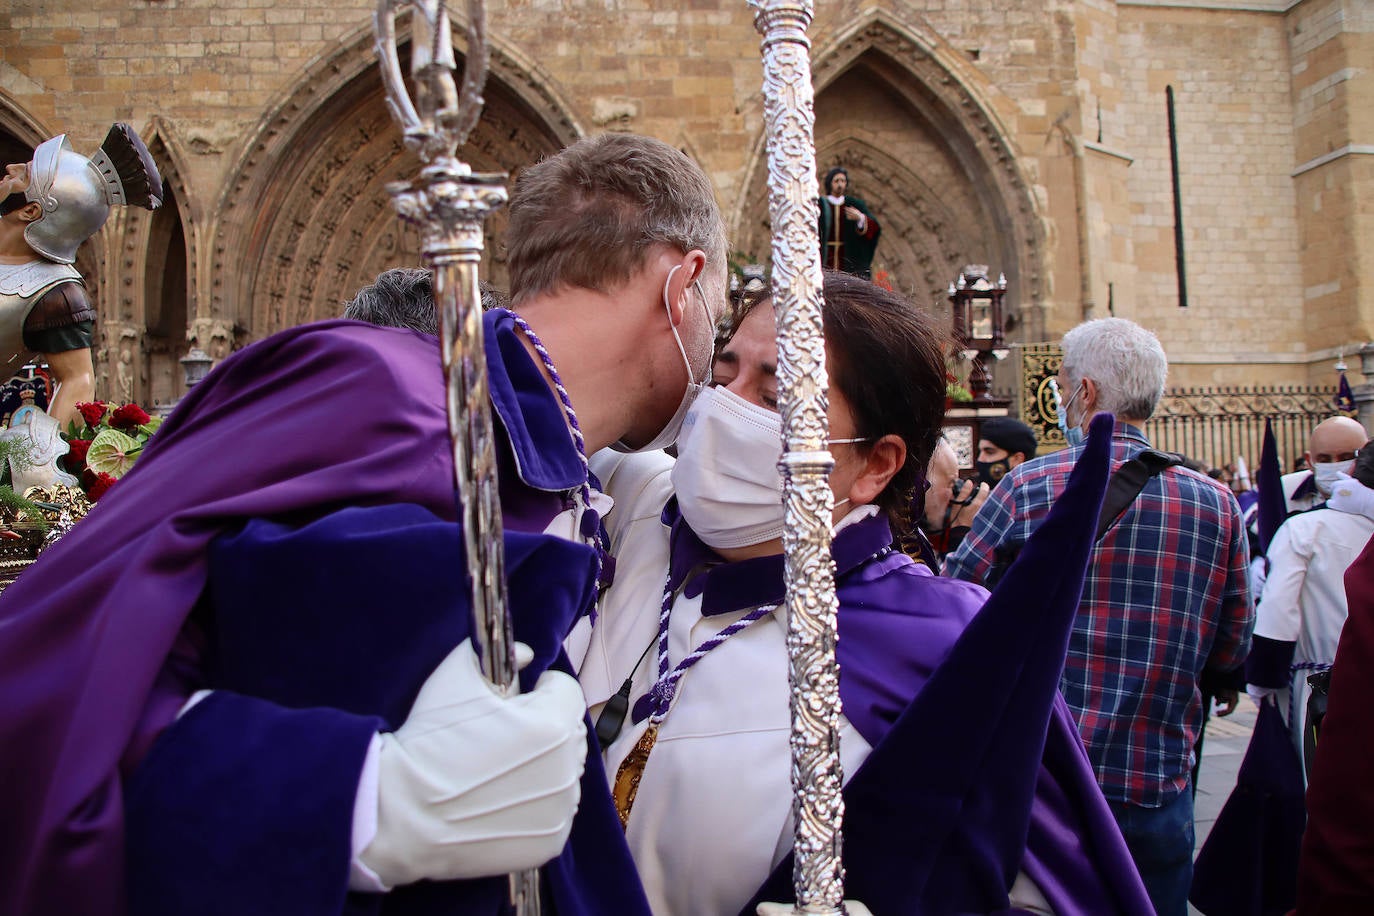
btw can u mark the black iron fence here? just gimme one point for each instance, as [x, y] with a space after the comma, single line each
[1213, 425]
[1217, 424]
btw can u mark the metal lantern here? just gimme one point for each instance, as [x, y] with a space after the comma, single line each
[195, 366]
[979, 324]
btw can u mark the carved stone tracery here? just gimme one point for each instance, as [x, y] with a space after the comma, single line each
[306, 219]
[930, 227]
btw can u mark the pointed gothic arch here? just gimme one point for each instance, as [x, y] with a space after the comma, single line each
[305, 218]
[20, 129]
[919, 133]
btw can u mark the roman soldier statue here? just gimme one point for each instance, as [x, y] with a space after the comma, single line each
[849, 233]
[48, 207]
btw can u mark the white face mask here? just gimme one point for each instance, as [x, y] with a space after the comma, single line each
[726, 477]
[1330, 473]
[668, 435]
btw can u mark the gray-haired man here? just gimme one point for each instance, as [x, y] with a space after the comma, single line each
[1166, 596]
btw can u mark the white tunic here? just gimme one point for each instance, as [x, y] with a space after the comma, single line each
[1304, 596]
[699, 853]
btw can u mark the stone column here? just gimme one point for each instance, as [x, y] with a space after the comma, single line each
[120, 376]
[1364, 392]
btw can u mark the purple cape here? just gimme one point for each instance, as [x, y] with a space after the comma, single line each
[322, 635]
[93, 659]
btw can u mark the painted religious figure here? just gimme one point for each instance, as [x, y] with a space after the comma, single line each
[48, 207]
[849, 232]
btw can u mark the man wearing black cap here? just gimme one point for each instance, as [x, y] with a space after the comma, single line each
[849, 233]
[1004, 443]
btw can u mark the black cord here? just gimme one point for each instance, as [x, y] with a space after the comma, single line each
[611, 720]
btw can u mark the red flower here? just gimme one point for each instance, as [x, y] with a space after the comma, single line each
[129, 416]
[91, 412]
[76, 456]
[97, 484]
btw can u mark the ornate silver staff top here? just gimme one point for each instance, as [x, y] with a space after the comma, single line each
[449, 202]
[810, 572]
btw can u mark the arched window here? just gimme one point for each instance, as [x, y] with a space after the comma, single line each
[166, 291]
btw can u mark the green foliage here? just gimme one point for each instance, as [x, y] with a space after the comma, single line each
[21, 452]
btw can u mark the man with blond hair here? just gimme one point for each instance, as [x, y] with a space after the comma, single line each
[1166, 597]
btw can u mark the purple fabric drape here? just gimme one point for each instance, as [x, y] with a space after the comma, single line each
[94, 659]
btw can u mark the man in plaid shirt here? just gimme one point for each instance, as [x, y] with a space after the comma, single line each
[1165, 597]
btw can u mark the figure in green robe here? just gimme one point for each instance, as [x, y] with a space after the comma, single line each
[848, 231]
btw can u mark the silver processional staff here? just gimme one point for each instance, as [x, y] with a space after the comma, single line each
[449, 202]
[817, 779]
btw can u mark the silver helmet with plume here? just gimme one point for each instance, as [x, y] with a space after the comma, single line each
[76, 193]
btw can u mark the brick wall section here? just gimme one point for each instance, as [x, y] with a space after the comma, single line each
[1234, 117]
[1250, 110]
[1333, 92]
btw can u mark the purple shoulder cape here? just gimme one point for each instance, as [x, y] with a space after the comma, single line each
[322, 635]
[94, 660]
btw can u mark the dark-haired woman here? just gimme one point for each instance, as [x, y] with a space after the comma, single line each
[692, 636]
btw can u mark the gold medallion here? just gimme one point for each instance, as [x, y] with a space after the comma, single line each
[631, 771]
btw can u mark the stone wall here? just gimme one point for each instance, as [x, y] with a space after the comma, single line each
[1025, 134]
[1234, 131]
[1333, 100]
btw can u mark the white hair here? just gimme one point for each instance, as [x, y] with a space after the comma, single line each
[1124, 359]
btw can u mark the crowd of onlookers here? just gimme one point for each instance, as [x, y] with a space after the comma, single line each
[1195, 594]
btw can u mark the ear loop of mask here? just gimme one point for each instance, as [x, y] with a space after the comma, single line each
[710, 323]
[1073, 397]
[667, 306]
[852, 439]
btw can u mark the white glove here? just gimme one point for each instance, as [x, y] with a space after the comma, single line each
[476, 784]
[1350, 496]
[1260, 694]
[850, 907]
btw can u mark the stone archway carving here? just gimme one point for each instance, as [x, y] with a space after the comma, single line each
[951, 191]
[305, 219]
[20, 124]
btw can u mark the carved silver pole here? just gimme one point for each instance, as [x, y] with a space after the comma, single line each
[448, 202]
[810, 572]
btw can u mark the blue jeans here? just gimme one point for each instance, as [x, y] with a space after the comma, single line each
[1161, 843]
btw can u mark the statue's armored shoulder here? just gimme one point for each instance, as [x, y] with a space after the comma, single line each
[29, 279]
[60, 306]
